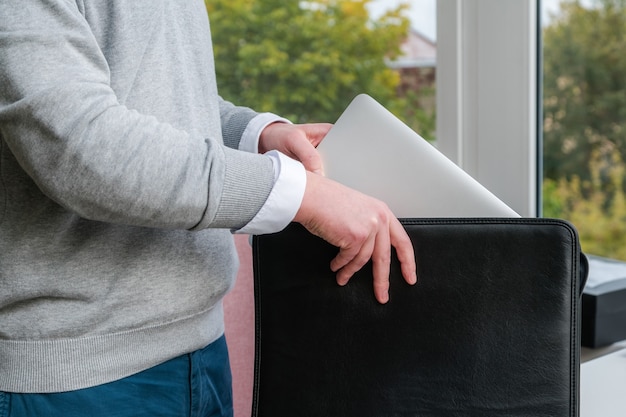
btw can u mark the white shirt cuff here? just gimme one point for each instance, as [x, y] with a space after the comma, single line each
[250, 137]
[284, 200]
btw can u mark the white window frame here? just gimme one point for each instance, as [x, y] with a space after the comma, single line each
[487, 95]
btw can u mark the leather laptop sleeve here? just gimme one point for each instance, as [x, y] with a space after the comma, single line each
[490, 329]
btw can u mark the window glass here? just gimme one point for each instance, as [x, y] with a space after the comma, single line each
[584, 120]
[416, 63]
[306, 60]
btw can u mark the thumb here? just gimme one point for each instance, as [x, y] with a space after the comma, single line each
[306, 153]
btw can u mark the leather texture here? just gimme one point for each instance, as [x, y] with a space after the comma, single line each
[490, 329]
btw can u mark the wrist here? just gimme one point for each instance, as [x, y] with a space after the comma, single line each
[303, 212]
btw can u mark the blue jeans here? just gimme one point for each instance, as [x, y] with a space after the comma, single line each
[198, 384]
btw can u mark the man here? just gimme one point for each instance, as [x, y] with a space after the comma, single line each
[122, 175]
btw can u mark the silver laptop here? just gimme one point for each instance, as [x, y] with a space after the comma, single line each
[371, 150]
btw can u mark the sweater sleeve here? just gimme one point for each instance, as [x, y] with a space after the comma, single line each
[64, 124]
[234, 121]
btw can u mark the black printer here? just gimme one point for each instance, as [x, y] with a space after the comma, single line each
[604, 303]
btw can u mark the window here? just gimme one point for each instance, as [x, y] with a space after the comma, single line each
[506, 84]
[584, 124]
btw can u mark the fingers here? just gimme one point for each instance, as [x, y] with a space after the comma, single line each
[377, 247]
[316, 132]
[305, 152]
[349, 260]
[361, 227]
[404, 250]
[296, 141]
[381, 258]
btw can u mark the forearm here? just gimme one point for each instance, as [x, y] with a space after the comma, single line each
[63, 121]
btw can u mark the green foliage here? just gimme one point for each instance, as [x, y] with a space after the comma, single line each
[304, 60]
[585, 123]
[584, 87]
[417, 110]
[598, 211]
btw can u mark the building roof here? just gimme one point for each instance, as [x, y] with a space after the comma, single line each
[418, 51]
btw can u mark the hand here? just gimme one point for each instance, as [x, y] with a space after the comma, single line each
[362, 227]
[296, 141]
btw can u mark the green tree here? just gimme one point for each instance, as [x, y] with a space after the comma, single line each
[304, 59]
[599, 216]
[584, 88]
[417, 110]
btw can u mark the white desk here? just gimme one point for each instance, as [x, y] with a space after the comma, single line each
[603, 381]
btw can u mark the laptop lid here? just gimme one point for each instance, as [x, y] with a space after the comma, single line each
[371, 150]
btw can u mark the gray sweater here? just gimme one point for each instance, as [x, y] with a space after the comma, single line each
[119, 180]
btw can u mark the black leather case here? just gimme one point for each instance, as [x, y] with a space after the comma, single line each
[491, 328]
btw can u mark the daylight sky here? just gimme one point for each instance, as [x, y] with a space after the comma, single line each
[423, 12]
